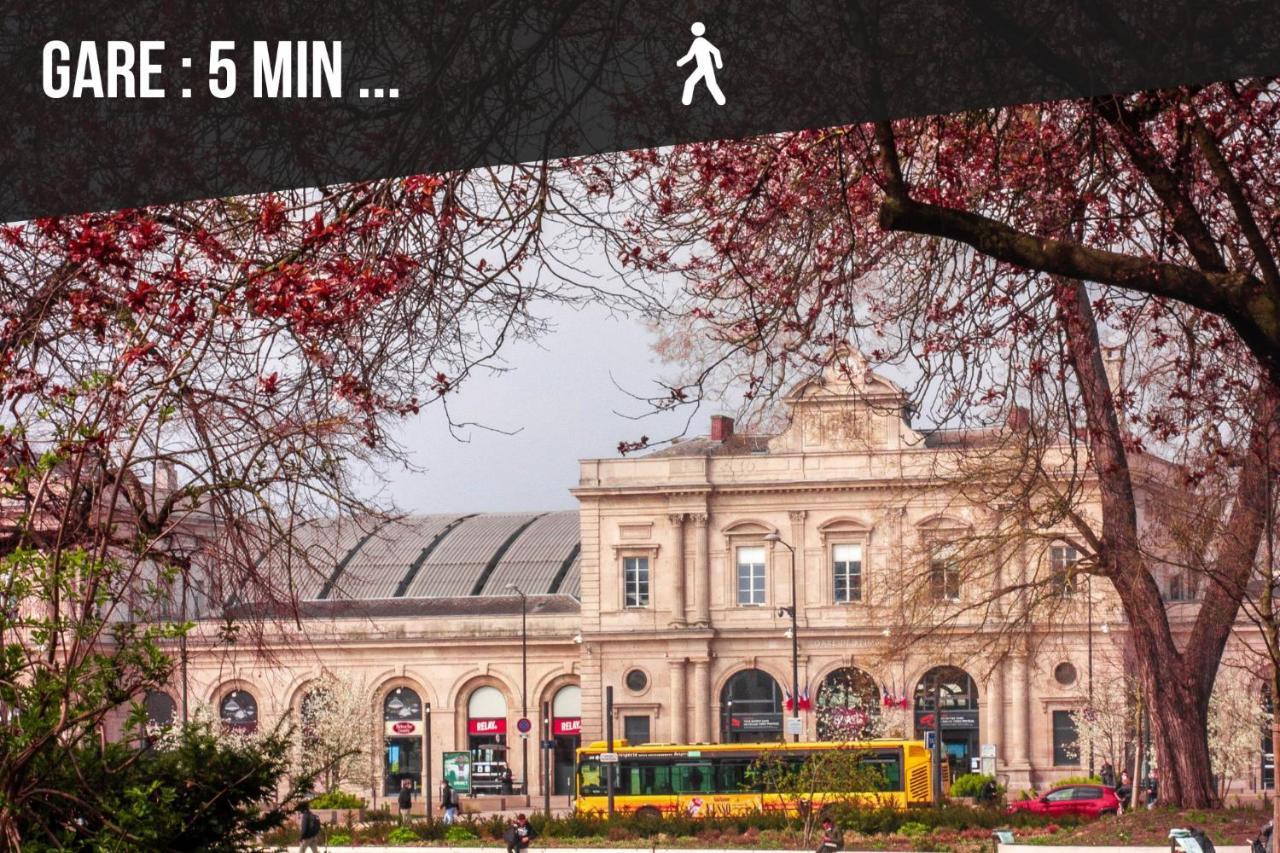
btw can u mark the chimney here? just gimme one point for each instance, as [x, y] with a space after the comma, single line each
[721, 428]
[1113, 363]
[1018, 419]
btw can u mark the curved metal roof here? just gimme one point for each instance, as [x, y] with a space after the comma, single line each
[446, 556]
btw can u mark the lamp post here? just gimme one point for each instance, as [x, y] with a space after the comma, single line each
[1089, 666]
[774, 536]
[524, 686]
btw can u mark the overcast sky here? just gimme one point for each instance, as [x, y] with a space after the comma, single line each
[561, 395]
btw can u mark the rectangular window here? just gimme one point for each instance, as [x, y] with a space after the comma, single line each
[846, 567]
[635, 581]
[750, 576]
[1182, 587]
[944, 580]
[1066, 739]
[1062, 566]
[635, 730]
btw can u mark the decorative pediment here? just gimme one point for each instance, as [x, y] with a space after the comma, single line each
[844, 526]
[847, 407]
[748, 527]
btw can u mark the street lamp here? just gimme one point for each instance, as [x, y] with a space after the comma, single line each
[524, 685]
[774, 536]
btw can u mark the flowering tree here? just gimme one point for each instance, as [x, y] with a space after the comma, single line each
[1106, 727]
[335, 732]
[185, 386]
[1237, 720]
[992, 256]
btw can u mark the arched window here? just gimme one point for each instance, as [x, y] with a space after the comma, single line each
[160, 708]
[402, 703]
[947, 700]
[403, 727]
[239, 711]
[848, 705]
[751, 707]
[487, 738]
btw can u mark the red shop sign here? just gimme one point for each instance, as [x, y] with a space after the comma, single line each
[487, 726]
[404, 727]
[566, 726]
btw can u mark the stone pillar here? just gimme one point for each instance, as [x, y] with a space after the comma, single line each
[994, 714]
[678, 573]
[701, 572]
[679, 702]
[702, 701]
[1019, 724]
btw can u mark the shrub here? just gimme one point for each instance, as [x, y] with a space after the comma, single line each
[460, 832]
[969, 785]
[337, 800]
[913, 828]
[402, 835]
[339, 839]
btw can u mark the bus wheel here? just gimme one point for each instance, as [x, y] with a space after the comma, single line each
[648, 813]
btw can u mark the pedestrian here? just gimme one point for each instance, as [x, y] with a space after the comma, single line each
[1124, 791]
[308, 830]
[1153, 788]
[406, 800]
[519, 834]
[508, 780]
[832, 838]
[1107, 774]
[449, 802]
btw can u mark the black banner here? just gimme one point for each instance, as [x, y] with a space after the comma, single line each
[390, 87]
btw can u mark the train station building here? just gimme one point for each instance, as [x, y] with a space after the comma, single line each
[722, 587]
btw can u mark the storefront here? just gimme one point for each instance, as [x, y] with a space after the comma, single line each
[955, 711]
[751, 704]
[403, 729]
[487, 739]
[566, 734]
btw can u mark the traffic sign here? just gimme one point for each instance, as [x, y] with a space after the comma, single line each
[930, 740]
[523, 725]
[608, 758]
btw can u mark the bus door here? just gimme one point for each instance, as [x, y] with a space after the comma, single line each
[693, 782]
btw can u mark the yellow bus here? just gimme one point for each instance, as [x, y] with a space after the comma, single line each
[716, 779]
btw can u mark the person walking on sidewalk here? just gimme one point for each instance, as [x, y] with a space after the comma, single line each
[308, 830]
[449, 802]
[406, 800]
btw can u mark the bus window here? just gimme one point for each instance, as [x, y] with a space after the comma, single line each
[591, 781]
[887, 767]
[693, 778]
[638, 778]
[733, 777]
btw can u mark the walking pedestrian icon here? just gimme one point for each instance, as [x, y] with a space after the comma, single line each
[704, 54]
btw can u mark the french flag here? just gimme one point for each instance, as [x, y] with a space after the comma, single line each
[805, 704]
[786, 696]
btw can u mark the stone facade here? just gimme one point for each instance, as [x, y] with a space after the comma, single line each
[683, 564]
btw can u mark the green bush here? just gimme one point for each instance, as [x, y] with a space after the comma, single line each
[460, 832]
[339, 839]
[913, 827]
[337, 800]
[969, 785]
[402, 835]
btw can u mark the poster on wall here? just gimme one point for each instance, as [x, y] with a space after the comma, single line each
[457, 771]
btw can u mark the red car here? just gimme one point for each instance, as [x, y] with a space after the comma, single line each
[1083, 800]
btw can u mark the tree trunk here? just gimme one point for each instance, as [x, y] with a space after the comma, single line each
[1179, 721]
